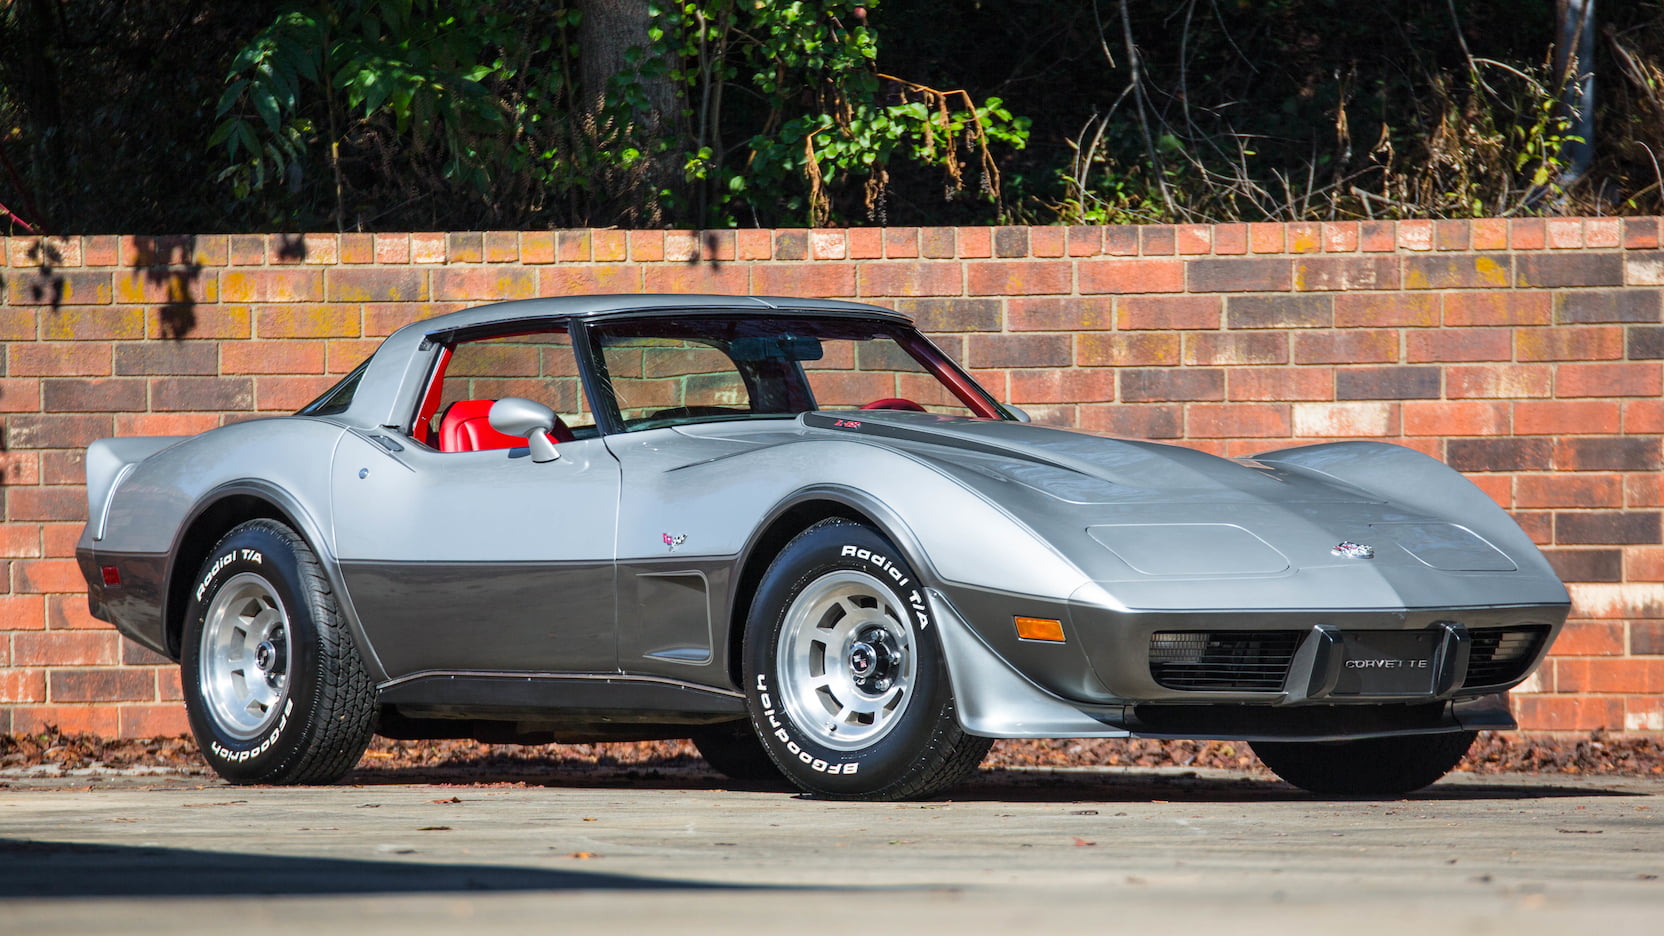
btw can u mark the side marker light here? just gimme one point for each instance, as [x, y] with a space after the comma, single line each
[112, 575]
[1031, 628]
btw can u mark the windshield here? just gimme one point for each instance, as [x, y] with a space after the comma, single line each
[664, 372]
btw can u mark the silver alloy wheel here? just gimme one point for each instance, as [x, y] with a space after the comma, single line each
[846, 659]
[245, 657]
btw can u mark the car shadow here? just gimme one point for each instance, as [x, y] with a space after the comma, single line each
[1109, 785]
[37, 869]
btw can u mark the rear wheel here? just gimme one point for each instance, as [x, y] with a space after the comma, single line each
[845, 680]
[1368, 766]
[274, 687]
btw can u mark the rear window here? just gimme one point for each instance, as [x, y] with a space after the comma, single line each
[337, 399]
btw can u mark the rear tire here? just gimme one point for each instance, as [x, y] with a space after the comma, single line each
[844, 677]
[274, 687]
[1368, 766]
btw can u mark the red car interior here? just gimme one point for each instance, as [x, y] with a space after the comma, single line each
[466, 427]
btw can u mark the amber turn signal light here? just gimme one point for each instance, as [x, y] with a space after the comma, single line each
[1030, 628]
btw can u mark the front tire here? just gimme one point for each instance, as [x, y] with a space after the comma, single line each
[274, 687]
[1367, 766]
[844, 676]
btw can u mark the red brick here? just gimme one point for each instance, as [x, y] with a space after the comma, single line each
[1230, 239]
[1498, 308]
[1631, 304]
[99, 250]
[587, 280]
[1231, 275]
[101, 685]
[1387, 383]
[199, 322]
[1062, 385]
[378, 285]
[1569, 269]
[1344, 420]
[1566, 417]
[97, 395]
[22, 685]
[1346, 347]
[22, 612]
[1564, 713]
[1499, 488]
[19, 541]
[1131, 276]
[1124, 350]
[1011, 242]
[172, 358]
[1586, 565]
[1455, 418]
[1563, 233]
[20, 396]
[1237, 420]
[1459, 345]
[1340, 236]
[1568, 490]
[1304, 237]
[59, 359]
[1415, 235]
[611, 246]
[46, 503]
[59, 289]
[70, 648]
[1121, 240]
[1607, 528]
[1599, 675]
[1193, 238]
[64, 466]
[936, 316]
[1489, 234]
[1457, 271]
[69, 612]
[1156, 240]
[1235, 348]
[1608, 380]
[1386, 309]
[69, 719]
[910, 278]
[1499, 381]
[93, 324]
[272, 357]
[1641, 233]
[1644, 490]
[1020, 278]
[1085, 240]
[820, 280]
[864, 243]
[286, 394]
[1136, 421]
[153, 721]
[60, 538]
[1086, 314]
[198, 394]
[1377, 237]
[648, 247]
[272, 286]
[1303, 311]
[1453, 235]
[1607, 454]
[1018, 351]
[1168, 312]
[1500, 454]
[1574, 343]
[1341, 273]
[358, 248]
[162, 424]
[1265, 237]
[1149, 385]
[55, 431]
[246, 250]
[1046, 242]
[938, 243]
[479, 284]
[1281, 383]
[974, 243]
[1643, 416]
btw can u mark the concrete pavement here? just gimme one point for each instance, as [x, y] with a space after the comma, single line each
[673, 850]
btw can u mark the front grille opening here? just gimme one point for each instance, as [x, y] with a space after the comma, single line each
[1234, 661]
[1501, 655]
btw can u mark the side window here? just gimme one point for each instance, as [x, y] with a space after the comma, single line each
[539, 366]
[672, 379]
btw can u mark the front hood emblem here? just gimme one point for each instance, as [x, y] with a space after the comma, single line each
[1351, 550]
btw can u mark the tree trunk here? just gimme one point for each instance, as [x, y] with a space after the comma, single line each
[606, 34]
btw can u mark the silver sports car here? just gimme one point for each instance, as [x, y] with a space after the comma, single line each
[798, 533]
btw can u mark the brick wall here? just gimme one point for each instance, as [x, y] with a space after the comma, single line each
[1526, 353]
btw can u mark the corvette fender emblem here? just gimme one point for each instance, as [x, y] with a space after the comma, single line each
[671, 542]
[1352, 550]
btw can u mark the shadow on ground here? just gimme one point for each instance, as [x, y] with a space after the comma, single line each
[31, 869]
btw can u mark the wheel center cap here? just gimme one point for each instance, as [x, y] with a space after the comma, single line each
[862, 659]
[265, 656]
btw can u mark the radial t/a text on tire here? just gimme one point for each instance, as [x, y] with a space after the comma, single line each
[844, 674]
[274, 686]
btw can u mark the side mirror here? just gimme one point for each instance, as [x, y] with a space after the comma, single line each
[529, 419]
[1016, 412]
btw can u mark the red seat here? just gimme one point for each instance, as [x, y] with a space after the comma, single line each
[466, 427]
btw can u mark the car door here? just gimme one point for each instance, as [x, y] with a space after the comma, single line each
[482, 560]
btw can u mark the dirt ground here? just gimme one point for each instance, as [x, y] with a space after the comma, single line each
[1493, 753]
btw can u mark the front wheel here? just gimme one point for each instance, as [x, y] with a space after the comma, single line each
[844, 675]
[1367, 766]
[274, 687]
